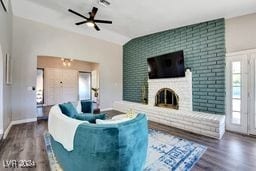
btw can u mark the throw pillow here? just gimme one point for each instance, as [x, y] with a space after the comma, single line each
[68, 109]
[90, 117]
[86, 106]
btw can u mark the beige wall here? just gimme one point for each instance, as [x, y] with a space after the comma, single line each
[5, 90]
[32, 39]
[241, 33]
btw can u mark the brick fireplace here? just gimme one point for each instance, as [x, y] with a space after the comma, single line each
[182, 117]
[175, 93]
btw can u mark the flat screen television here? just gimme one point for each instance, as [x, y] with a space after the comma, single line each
[166, 66]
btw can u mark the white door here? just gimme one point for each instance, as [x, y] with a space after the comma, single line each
[53, 88]
[252, 94]
[69, 85]
[236, 86]
[60, 86]
[241, 93]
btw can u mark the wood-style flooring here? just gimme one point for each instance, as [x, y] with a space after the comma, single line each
[234, 152]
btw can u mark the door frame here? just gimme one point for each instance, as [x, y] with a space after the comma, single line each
[90, 83]
[248, 59]
[242, 127]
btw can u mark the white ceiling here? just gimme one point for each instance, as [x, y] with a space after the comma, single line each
[131, 18]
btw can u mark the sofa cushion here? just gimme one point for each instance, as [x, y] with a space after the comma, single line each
[68, 109]
[90, 117]
[86, 106]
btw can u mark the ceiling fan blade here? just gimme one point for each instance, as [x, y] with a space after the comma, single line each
[94, 11]
[103, 21]
[82, 22]
[96, 27]
[3, 6]
[76, 13]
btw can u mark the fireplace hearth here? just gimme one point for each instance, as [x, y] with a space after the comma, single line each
[167, 98]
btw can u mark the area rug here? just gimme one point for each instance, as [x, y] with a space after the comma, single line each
[165, 153]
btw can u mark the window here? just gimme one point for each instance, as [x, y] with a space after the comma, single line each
[236, 92]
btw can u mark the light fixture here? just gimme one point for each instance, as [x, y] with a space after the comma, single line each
[104, 3]
[66, 61]
[90, 24]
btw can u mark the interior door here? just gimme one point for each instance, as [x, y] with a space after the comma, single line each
[69, 85]
[237, 93]
[61, 86]
[53, 88]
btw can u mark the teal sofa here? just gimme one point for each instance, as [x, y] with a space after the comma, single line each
[106, 147]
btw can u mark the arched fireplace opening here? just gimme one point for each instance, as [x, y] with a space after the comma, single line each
[167, 98]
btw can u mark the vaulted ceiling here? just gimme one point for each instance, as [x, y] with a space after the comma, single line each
[131, 18]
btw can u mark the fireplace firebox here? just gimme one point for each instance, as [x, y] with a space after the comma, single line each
[167, 98]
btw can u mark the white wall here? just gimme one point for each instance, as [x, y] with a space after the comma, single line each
[5, 90]
[241, 33]
[31, 39]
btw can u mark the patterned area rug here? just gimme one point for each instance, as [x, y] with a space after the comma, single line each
[165, 153]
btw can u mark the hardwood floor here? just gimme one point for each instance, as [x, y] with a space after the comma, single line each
[234, 152]
[25, 142]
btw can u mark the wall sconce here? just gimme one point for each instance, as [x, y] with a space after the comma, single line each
[66, 61]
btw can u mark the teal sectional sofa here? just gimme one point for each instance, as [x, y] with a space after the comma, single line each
[106, 147]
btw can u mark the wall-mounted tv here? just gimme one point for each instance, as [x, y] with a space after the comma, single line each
[166, 66]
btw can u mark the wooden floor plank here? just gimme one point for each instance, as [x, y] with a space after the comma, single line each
[234, 152]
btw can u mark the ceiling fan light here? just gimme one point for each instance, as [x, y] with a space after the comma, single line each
[90, 24]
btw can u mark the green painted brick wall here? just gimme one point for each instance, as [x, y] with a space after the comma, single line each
[204, 52]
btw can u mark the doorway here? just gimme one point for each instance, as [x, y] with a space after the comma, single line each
[61, 80]
[241, 92]
[85, 85]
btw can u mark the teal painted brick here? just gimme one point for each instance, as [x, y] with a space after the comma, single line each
[208, 97]
[204, 52]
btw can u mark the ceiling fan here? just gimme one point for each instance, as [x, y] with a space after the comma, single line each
[90, 21]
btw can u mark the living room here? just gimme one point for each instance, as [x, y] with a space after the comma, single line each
[211, 103]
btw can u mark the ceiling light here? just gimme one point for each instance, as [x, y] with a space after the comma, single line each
[104, 3]
[90, 24]
[66, 62]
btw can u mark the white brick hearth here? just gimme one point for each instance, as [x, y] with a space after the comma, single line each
[211, 125]
[185, 118]
[182, 86]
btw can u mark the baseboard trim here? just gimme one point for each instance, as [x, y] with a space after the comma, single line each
[106, 109]
[6, 132]
[24, 121]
